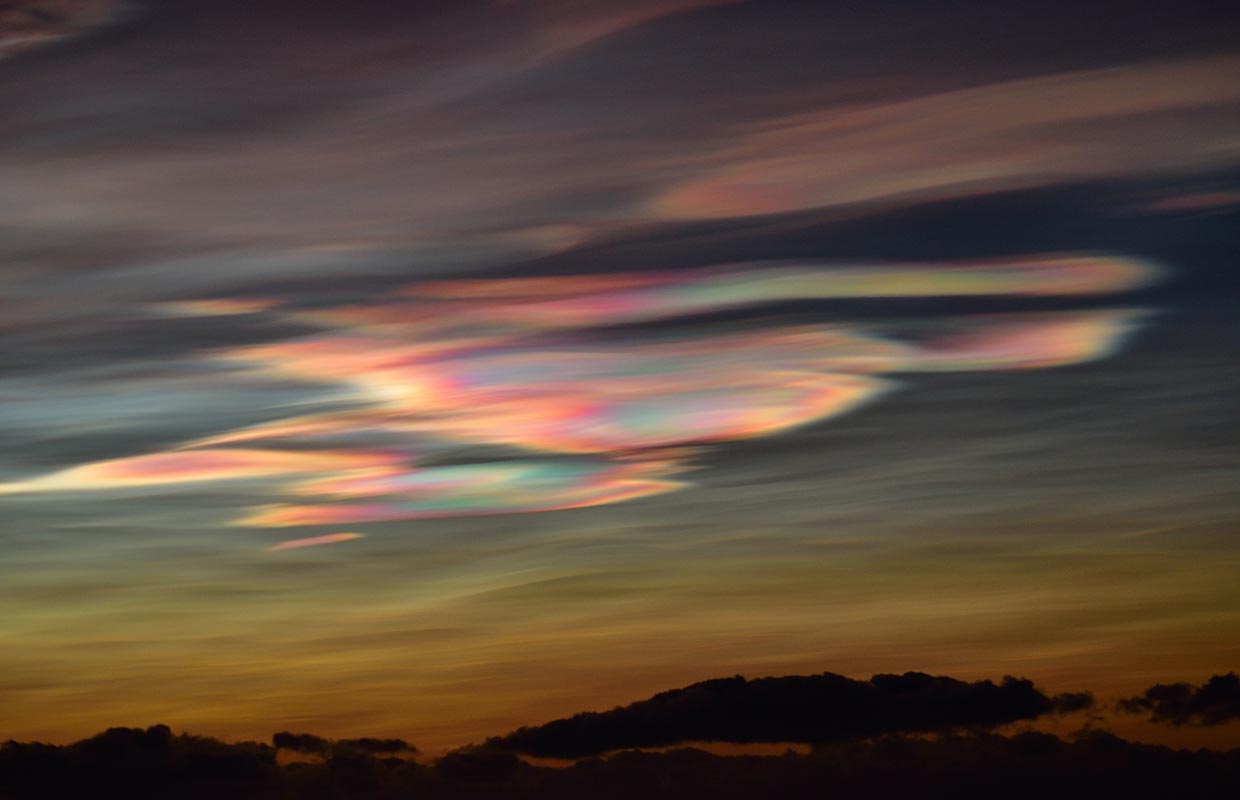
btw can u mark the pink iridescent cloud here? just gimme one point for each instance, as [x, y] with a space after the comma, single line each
[526, 364]
[204, 465]
[314, 541]
[493, 488]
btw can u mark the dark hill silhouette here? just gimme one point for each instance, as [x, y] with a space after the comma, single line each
[815, 708]
[135, 763]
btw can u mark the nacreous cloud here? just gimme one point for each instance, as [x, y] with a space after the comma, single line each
[26, 24]
[590, 408]
[1026, 132]
[198, 466]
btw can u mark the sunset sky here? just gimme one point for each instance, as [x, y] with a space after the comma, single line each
[427, 369]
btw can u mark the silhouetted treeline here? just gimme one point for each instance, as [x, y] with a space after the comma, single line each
[796, 708]
[151, 763]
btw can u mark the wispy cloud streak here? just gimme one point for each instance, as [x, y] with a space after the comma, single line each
[314, 541]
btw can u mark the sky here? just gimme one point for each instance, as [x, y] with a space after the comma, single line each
[431, 369]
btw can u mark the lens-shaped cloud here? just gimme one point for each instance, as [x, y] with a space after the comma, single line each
[1030, 341]
[601, 409]
[214, 307]
[590, 301]
[198, 466]
[494, 488]
[314, 541]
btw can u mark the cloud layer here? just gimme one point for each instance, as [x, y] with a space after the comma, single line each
[594, 410]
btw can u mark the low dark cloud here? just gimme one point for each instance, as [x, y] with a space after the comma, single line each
[1068, 702]
[369, 745]
[300, 742]
[310, 744]
[814, 708]
[1212, 703]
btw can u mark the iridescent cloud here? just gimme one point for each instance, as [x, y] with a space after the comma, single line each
[494, 488]
[28, 24]
[214, 308]
[196, 466]
[582, 398]
[539, 366]
[1030, 341]
[1028, 132]
[589, 301]
[314, 541]
[1196, 202]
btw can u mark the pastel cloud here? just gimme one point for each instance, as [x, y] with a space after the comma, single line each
[590, 301]
[1031, 131]
[1030, 341]
[583, 398]
[197, 466]
[493, 488]
[599, 414]
[314, 541]
[215, 307]
[29, 23]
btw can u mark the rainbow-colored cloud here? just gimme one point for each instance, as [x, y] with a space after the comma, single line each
[593, 408]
